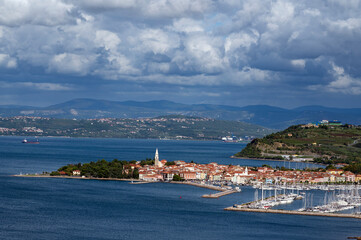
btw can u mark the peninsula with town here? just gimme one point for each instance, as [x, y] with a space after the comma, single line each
[331, 143]
[277, 186]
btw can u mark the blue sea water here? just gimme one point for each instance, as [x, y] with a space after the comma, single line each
[37, 208]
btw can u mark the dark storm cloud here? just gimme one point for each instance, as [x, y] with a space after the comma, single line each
[251, 48]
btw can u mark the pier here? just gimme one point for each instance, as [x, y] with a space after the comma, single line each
[277, 211]
[140, 182]
[216, 188]
[222, 191]
[219, 194]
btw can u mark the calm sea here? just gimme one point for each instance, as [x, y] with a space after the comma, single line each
[33, 208]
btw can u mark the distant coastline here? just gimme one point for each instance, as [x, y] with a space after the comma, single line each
[100, 137]
[164, 127]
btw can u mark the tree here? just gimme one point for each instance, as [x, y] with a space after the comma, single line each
[330, 166]
[177, 178]
[136, 173]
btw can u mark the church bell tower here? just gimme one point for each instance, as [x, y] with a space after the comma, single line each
[156, 158]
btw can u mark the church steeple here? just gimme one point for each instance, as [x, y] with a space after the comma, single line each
[156, 158]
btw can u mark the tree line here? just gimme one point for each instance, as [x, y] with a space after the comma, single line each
[101, 169]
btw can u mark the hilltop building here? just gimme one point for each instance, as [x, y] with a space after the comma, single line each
[322, 123]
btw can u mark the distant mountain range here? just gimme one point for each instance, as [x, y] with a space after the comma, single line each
[264, 115]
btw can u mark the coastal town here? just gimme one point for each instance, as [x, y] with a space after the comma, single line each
[214, 172]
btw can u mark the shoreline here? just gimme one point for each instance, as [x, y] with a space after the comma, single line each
[72, 177]
[215, 188]
[87, 137]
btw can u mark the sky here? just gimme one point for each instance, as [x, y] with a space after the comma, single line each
[233, 52]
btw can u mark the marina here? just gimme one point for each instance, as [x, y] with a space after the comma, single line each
[338, 201]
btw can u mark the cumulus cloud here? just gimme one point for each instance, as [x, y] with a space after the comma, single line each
[38, 12]
[187, 25]
[69, 63]
[107, 39]
[156, 41]
[7, 61]
[280, 43]
[342, 82]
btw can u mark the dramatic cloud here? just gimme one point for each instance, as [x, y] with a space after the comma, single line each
[283, 47]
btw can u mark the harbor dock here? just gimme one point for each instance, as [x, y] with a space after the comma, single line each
[277, 211]
[219, 194]
[222, 191]
[212, 187]
[140, 182]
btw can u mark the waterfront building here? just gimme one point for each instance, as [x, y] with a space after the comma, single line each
[188, 175]
[358, 178]
[335, 171]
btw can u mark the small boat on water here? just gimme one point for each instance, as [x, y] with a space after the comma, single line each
[31, 142]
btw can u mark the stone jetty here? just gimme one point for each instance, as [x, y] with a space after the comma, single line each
[219, 194]
[277, 211]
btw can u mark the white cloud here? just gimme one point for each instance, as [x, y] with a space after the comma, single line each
[185, 42]
[312, 12]
[201, 54]
[7, 61]
[175, 8]
[242, 39]
[38, 12]
[249, 75]
[107, 39]
[299, 63]
[342, 82]
[154, 67]
[281, 12]
[346, 24]
[39, 86]
[155, 40]
[106, 5]
[68, 63]
[117, 67]
[187, 25]
[47, 86]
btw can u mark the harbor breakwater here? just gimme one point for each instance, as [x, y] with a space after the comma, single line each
[278, 211]
[216, 188]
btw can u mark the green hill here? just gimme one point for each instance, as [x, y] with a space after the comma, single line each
[322, 144]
